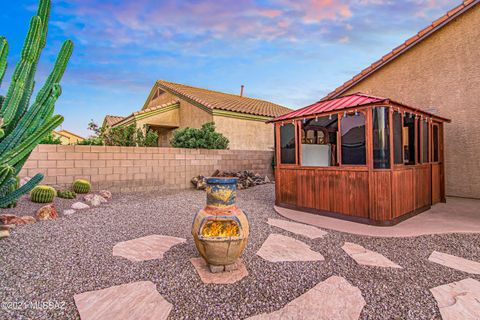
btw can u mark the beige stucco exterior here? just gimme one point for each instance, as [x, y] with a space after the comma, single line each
[67, 137]
[442, 74]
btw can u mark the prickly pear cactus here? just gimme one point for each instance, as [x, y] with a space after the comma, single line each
[43, 194]
[81, 186]
[66, 194]
[23, 124]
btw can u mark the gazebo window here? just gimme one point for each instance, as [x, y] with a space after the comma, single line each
[435, 143]
[397, 137]
[425, 137]
[287, 144]
[319, 141]
[353, 139]
[381, 138]
[409, 139]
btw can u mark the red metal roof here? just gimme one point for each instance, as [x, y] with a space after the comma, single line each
[353, 100]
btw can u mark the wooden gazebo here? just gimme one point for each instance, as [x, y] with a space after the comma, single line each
[360, 157]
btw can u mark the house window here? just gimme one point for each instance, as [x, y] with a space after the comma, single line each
[353, 139]
[409, 139]
[319, 141]
[397, 137]
[381, 138]
[425, 137]
[287, 144]
[435, 143]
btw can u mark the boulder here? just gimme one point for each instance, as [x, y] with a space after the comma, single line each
[107, 195]
[7, 218]
[25, 220]
[95, 200]
[47, 212]
[68, 212]
[80, 206]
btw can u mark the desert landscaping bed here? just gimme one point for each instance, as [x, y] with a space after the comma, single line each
[54, 260]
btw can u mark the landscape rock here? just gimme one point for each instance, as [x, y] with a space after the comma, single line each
[68, 212]
[96, 200]
[47, 212]
[80, 206]
[7, 218]
[107, 195]
[25, 220]
[200, 182]
[4, 234]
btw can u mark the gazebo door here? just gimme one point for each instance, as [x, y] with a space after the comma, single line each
[438, 192]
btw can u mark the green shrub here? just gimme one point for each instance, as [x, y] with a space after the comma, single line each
[66, 194]
[204, 138]
[92, 141]
[43, 194]
[81, 186]
[51, 139]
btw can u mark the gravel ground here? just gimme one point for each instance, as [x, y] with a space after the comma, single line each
[52, 261]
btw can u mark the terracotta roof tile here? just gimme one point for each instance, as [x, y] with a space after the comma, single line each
[398, 50]
[111, 120]
[225, 101]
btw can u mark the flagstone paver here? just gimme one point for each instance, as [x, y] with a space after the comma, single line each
[298, 228]
[146, 248]
[279, 248]
[367, 257]
[455, 262]
[131, 301]
[458, 300]
[226, 277]
[334, 298]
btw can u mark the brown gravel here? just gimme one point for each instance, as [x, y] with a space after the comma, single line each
[52, 261]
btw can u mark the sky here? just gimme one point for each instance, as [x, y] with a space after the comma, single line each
[289, 52]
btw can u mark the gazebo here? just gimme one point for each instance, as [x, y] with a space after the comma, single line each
[360, 157]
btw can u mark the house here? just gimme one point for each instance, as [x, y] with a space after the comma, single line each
[439, 69]
[171, 105]
[67, 137]
[360, 157]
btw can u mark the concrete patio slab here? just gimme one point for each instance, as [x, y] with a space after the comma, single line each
[227, 277]
[146, 248]
[278, 248]
[298, 228]
[458, 300]
[131, 301]
[458, 215]
[455, 262]
[367, 257]
[334, 298]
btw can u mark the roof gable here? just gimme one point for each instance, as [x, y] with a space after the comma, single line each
[408, 44]
[215, 100]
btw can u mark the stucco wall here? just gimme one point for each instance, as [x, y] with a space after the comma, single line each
[128, 169]
[443, 73]
[245, 134]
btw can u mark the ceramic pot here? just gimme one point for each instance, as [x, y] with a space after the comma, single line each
[221, 229]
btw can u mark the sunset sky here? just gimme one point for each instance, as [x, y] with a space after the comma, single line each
[289, 52]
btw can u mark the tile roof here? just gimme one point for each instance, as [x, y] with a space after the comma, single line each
[66, 134]
[134, 114]
[224, 101]
[111, 120]
[346, 102]
[422, 34]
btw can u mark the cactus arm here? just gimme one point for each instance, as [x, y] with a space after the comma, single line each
[26, 188]
[5, 188]
[3, 57]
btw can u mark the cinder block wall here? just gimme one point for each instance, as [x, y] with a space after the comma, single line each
[126, 169]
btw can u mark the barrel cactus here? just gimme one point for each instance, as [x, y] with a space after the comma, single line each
[66, 194]
[24, 125]
[81, 186]
[43, 194]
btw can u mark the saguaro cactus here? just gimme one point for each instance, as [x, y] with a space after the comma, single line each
[22, 126]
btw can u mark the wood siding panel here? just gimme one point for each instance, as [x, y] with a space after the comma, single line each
[422, 189]
[403, 200]
[380, 195]
[436, 183]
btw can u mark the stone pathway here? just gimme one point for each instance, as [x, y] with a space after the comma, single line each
[146, 248]
[334, 298]
[298, 228]
[227, 277]
[279, 248]
[458, 300]
[131, 301]
[367, 257]
[454, 262]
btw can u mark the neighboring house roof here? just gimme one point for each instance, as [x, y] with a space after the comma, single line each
[420, 36]
[215, 100]
[111, 120]
[138, 114]
[343, 103]
[68, 134]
